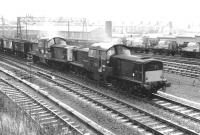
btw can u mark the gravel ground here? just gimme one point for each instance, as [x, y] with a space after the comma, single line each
[184, 87]
[89, 110]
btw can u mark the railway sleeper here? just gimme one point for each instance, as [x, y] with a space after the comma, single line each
[39, 112]
[44, 123]
[114, 115]
[20, 98]
[194, 114]
[13, 93]
[119, 117]
[167, 130]
[34, 104]
[179, 109]
[165, 104]
[25, 103]
[198, 117]
[158, 127]
[152, 123]
[33, 108]
[140, 118]
[47, 118]
[135, 115]
[116, 107]
[124, 120]
[7, 88]
[124, 110]
[45, 115]
[186, 111]
[146, 120]
[174, 107]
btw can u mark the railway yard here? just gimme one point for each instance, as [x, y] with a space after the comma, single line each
[73, 104]
[99, 67]
[72, 87]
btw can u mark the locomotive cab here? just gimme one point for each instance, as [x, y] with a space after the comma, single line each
[99, 58]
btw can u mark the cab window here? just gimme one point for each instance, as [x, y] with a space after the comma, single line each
[93, 53]
[123, 50]
[50, 43]
[151, 66]
[110, 52]
[60, 41]
[40, 44]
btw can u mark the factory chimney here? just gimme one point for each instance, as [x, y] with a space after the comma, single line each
[108, 29]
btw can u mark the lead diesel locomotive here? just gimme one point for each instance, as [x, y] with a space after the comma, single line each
[105, 62]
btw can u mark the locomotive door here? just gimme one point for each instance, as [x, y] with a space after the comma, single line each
[93, 59]
[99, 62]
[96, 60]
[102, 61]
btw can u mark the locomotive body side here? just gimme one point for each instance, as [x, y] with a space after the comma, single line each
[145, 75]
[61, 53]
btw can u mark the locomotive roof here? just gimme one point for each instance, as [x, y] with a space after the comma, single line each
[103, 45]
[85, 49]
[61, 46]
[136, 58]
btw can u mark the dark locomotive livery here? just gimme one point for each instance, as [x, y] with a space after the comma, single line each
[105, 62]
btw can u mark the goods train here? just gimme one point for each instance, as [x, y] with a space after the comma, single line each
[104, 62]
[165, 47]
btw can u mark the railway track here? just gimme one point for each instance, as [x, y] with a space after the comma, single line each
[192, 61]
[39, 111]
[183, 67]
[44, 113]
[186, 111]
[188, 70]
[127, 113]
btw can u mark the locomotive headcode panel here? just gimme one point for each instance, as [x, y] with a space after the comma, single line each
[153, 71]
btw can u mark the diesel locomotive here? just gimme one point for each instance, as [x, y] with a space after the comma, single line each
[105, 62]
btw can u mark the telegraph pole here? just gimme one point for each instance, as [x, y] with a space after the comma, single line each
[19, 30]
[68, 32]
[26, 27]
[84, 28]
[29, 63]
[3, 24]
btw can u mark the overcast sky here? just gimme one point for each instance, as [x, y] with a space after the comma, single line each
[150, 10]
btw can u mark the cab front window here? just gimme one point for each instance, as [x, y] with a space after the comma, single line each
[152, 66]
[123, 50]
